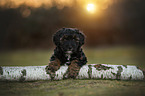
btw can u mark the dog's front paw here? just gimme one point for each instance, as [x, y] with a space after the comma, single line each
[73, 69]
[50, 72]
[52, 68]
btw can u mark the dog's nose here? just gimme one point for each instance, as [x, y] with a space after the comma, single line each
[70, 47]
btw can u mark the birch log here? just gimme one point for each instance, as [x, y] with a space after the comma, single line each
[89, 71]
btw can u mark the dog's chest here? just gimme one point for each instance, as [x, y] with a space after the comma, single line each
[68, 57]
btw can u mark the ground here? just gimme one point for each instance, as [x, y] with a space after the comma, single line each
[112, 55]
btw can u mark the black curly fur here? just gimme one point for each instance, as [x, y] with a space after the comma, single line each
[69, 39]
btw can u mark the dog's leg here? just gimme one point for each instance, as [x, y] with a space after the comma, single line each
[52, 67]
[73, 69]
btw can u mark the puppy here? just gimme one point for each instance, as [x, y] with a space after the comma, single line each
[68, 51]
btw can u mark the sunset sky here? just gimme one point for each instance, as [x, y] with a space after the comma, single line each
[102, 4]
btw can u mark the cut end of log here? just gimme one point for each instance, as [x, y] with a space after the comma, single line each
[143, 70]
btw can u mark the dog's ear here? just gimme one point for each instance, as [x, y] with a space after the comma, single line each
[81, 36]
[57, 36]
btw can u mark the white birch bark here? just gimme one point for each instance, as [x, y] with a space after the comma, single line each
[89, 71]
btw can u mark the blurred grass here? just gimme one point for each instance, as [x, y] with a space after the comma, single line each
[126, 55]
[73, 88]
[108, 55]
[25, 57]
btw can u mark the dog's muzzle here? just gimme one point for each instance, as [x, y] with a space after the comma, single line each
[68, 55]
[68, 52]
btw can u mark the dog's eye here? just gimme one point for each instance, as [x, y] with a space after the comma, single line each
[63, 39]
[75, 39]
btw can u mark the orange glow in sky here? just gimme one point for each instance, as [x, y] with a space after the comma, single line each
[91, 8]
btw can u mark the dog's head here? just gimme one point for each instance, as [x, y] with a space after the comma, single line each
[69, 39]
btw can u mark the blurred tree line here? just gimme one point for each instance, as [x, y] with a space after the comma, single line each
[121, 23]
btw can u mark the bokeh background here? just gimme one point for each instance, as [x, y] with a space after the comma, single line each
[115, 34]
[115, 31]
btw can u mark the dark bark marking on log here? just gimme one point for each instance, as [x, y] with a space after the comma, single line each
[23, 72]
[113, 73]
[118, 75]
[46, 69]
[90, 71]
[101, 76]
[1, 70]
[130, 77]
[125, 66]
[100, 67]
[138, 67]
[22, 78]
